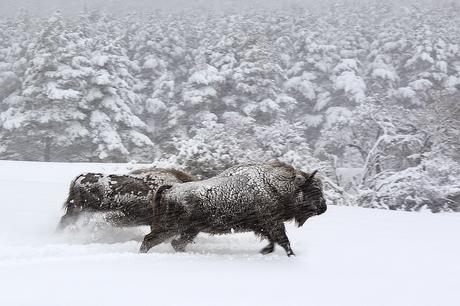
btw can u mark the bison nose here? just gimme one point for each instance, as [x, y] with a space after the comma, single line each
[322, 208]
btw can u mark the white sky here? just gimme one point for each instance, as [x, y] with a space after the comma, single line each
[9, 8]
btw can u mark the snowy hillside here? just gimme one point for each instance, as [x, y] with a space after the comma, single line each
[348, 256]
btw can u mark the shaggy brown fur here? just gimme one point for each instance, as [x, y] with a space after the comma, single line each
[254, 197]
[124, 196]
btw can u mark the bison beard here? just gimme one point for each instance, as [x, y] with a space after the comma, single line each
[125, 197]
[256, 197]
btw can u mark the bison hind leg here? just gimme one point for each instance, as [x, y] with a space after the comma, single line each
[154, 238]
[280, 237]
[276, 235]
[185, 238]
[269, 248]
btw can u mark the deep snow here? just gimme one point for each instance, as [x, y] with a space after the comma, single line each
[348, 256]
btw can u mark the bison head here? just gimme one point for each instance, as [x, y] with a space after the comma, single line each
[311, 199]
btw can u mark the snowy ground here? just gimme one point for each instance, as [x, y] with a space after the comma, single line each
[348, 256]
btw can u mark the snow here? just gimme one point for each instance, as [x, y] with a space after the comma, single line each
[452, 81]
[347, 65]
[139, 139]
[207, 76]
[337, 114]
[313, 120]
[155, 106]
[12, 118]
[75, 130]
[323, 100]
[268, 105]
[405, 93]
[348, 176]
[198, 96]
[422, 84]
[103, 78]
[99, 60]
[426, 57]
[348, 256]
[108, 136]
[55, 93]
[93, 94]
[296, 68]
[385, 74]
[442, 66]
[303, 85]
[150, 63]
[352, 85]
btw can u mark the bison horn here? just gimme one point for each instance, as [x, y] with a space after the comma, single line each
[312, 175]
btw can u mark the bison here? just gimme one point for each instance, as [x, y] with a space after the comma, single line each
[251, 197]
[123, 197]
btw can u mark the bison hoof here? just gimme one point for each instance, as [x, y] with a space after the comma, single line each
[178, 246]
[144, 249]
[267, 250]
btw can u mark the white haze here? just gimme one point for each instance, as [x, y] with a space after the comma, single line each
[70, 7]
[119, 6]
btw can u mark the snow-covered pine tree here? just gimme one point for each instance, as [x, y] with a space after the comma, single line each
[40, 117]
[110, 102]
[257, 76]
[76, 103]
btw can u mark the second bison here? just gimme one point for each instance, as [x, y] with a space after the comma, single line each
[253, 197]
[124, 198]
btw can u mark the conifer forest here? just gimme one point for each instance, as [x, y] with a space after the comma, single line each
[367, 94]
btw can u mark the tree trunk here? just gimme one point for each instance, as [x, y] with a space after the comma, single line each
[47, 149]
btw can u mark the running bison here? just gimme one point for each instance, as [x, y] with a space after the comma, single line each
[123, 197]
[252, 197]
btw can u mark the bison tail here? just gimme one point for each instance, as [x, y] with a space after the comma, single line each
[155, 202]
[71, 197]
[159, 193]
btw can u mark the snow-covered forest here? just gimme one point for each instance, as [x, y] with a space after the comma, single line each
[368, 94]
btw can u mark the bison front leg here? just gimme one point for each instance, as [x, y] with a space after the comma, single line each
[70, 217]
[154, 238]
[280, 237]
[184, 239]
[65, 222]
